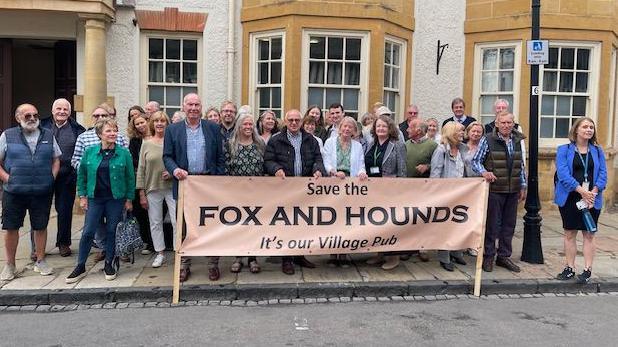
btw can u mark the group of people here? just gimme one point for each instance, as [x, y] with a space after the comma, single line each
[113, 175]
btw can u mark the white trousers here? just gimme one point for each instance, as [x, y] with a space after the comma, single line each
[155, 215]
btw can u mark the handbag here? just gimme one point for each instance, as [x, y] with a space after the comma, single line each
[128, 239]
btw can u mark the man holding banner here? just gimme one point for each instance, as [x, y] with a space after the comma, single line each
[499, 160]
[193, 147]
[293, 152]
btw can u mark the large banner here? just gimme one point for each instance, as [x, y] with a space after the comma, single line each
[271, 216]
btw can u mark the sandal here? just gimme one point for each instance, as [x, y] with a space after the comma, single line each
[236, 267]
[254, 267]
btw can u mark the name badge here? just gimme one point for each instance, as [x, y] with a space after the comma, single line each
[374, 170]
[586, 185]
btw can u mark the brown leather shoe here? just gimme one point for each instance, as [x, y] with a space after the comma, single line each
[423, 257]
[303, 262]
[33, 257]
[65, 251]
[214, 274]
[184, 274]
[488, 264]
[507, 263]
[99, 256]
[287, 268]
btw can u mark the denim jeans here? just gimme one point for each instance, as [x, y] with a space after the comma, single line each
[111, 209]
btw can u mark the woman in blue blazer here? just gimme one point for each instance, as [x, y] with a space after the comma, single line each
[581, 175]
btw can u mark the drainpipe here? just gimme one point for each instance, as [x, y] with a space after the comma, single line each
[231, 32]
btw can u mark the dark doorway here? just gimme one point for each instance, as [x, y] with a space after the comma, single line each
[65, 59]
[6, 84]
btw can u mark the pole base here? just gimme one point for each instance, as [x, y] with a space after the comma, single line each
[532, 250]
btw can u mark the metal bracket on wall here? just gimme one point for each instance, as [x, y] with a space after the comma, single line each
[439, 53]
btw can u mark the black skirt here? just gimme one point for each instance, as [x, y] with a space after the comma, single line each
[572, 218]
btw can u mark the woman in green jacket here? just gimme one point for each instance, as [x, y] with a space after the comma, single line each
[106, 185]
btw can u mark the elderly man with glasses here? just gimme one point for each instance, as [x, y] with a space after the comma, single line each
[29, 163]
[411, 113]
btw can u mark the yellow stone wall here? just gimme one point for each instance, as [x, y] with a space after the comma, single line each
[378, 18]
[572, 20]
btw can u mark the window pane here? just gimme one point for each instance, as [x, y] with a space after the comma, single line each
[507, 58]
[508, 98]
[562, 127]
[316, 47]
[189, 49]
[388, 52]
[187, 90]
[263, 76]
[350, 99]
[333, 95]
[583, 59]
[506, 81]
[189, 72]
[276, 97]
[352, 49]
[316, 72]
[567, 59]
[155, 71]
[566, 82]
[387, 76]
[396, 54]
[579, 106]
[352, 74]
[172, 49]
[550, 81]
[547, 127]
[547, 105]
[172, 72]
[334, 73]
[563, 105]
[264, 97]
[171, 110]
[487, 104]
[396, 78]
[335, 48]
[155, 48]
[316, 96]
[489, 82]
[581, 82]
[487, 119]
[275, 73]
[263, 48]
[172, 96]
[276, 48]
[553, 58]
[156, 94]
[490, 58]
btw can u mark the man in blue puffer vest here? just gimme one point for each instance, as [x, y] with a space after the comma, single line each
[29, 163]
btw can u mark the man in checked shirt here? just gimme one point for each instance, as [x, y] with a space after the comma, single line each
[499, 160]
[87, 139]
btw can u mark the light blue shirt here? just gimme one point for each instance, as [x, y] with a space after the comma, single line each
[196, 149]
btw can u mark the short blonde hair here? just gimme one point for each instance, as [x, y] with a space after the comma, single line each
[472, 125]
[156, 116]
[350, 120]
[449, 133]
[98, 127]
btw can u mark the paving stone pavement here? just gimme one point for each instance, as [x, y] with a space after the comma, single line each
[139, 282]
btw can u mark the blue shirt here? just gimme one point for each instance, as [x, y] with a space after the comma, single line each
[196, 149]
[481, 154]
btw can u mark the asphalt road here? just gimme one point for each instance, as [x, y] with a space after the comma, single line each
[559, 321]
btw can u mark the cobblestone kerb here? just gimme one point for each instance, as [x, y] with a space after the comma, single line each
[268, 292]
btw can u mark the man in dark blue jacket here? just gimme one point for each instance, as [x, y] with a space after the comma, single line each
[65, 130]
[29, 163]
[193, 147]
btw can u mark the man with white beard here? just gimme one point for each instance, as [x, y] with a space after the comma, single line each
[29, 163]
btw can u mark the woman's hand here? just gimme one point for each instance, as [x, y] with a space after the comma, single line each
[588, 196]
[83, 203]
[340, 174]
[362, 176]
[143, 201]
[166, 175]
[128, 205]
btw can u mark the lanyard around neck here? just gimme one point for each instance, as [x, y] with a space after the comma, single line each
[585, 162]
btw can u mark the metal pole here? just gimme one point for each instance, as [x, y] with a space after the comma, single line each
[532, 251]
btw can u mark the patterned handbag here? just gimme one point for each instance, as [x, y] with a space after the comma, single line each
[128, 239]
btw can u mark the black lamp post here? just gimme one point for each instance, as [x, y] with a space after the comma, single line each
[532, 251]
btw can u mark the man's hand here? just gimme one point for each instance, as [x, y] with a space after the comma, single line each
[422, 168]
[180, 174]
[522, 194]
[489, 176]
[362, 176]
[83, 203]
[317, 174]
[280, 173]
[340, 174]
[5, 178]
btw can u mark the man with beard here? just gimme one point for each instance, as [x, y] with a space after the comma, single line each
[29, 163]
[228, 119]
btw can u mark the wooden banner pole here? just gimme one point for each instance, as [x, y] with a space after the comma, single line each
[179, 223]
[481, 249]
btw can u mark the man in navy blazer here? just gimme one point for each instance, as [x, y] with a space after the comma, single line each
[193, 147]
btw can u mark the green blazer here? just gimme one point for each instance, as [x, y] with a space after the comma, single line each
[121, 173]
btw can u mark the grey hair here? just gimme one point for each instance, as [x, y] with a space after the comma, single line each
[234, 142]
[61, 100]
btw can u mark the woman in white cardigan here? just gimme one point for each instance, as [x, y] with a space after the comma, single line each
[344, 157]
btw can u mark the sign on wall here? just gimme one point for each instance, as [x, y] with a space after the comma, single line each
[537, 52]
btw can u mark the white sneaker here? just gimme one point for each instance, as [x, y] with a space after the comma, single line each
[43, 268]
[8, 273]
[158, 261]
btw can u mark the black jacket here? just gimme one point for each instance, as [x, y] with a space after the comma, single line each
[280, 155]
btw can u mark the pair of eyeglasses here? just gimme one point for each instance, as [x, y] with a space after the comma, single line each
[31, 115]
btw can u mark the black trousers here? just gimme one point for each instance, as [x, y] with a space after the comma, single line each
[501, 219]
[64, 194]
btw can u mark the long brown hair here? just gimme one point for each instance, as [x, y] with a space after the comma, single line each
[575, 126]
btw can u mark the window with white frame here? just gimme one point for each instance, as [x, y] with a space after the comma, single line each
[393, 63]
[267, 72]
[613, 97]
[334, 70]
[172, 70]
[567, 89]
[497, 78]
